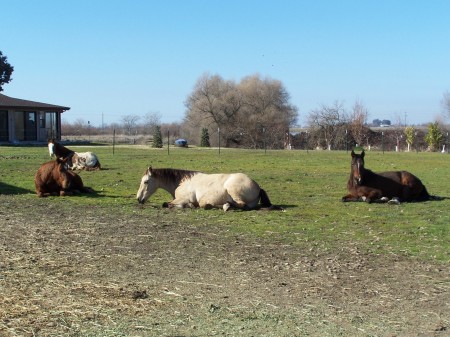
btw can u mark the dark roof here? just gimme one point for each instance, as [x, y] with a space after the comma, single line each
[7, 102]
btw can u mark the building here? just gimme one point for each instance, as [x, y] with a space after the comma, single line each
[28, 121]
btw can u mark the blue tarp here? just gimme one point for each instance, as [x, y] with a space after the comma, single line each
[181, 142]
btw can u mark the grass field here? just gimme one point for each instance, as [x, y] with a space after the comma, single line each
[316, 234]
[308, 185]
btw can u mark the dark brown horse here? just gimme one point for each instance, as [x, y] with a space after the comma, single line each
[76, 160]
[393, 186]
[53, 178]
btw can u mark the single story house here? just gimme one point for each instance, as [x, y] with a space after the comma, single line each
[28, 121]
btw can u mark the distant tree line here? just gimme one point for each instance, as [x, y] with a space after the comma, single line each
[332, 127]
[256, 113]
[132, 126]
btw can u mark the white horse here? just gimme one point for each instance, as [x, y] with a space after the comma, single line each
[196, 189]
[77, 160]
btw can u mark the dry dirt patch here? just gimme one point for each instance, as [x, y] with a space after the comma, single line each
[97, 272]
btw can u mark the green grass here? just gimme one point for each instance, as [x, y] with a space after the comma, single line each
[309, 185]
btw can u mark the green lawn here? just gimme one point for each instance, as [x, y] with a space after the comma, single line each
[309, 185]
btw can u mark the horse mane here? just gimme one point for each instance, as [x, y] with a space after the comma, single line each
[169, 175]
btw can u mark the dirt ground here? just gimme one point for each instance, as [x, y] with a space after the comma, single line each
[98, 272]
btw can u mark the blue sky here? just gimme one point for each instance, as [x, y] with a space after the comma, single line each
[114, 58]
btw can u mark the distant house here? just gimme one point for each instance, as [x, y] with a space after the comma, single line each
[28, 121]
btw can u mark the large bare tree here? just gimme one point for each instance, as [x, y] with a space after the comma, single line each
[266, 114]
[213, 104]
[252, 113]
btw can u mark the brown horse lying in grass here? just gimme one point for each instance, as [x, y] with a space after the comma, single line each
[53, 178]
[392, 187]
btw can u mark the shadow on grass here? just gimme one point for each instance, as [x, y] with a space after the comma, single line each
[10, 189]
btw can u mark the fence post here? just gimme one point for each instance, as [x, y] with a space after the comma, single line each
[114, 139]
[218, 131]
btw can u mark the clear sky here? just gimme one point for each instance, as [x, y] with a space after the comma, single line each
[110, 58]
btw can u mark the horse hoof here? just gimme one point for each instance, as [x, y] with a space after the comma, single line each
[165, 205]
[394, 201]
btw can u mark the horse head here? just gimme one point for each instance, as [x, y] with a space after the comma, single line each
[357, 167]
[148, 186]
[51, 147]
[63, 177]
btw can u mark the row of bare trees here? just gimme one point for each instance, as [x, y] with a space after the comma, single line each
[332, 127]
[256, 113]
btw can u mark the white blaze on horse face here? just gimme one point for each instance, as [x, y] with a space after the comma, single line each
[146, 189]
[359, 171]
[51, 149]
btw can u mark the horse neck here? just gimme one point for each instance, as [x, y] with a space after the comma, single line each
[366, 175]
[62, 151]
[170, 179]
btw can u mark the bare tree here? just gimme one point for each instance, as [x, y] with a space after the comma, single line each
[130, 125]
[326, 123]
[213, 104]
[248, 114]
[151, 119]
[266, 114]
[358, 121]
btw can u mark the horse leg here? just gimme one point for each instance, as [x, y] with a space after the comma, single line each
[63, 193]
[369, 194]
[180, 203]
[350, 197]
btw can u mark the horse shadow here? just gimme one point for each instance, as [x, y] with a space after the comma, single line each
[11, 189]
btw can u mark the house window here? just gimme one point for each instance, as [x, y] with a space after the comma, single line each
[4, 134]
[51, 124]
[25, 125]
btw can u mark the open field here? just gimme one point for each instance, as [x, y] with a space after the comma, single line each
[102, 265]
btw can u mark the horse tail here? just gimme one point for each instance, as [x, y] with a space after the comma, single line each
[86, 189]
[265, 201]
[437, 198]
[424, 196]
[98, 165]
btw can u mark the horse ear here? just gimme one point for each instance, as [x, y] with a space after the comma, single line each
[362, 154]
[353, 153]
[150, 170]
[62, 163]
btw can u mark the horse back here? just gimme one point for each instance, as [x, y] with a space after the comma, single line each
[405, 185]
[86, 160]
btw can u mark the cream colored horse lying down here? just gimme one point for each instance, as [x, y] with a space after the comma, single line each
[196, 189]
